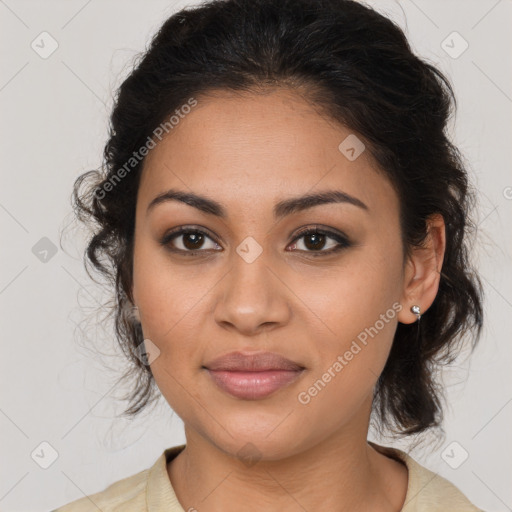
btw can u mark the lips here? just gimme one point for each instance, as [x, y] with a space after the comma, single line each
[255, 362]
[253, 376]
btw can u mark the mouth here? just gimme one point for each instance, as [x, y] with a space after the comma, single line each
[253, 376]
[253, 385]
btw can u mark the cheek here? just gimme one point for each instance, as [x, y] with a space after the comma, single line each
[166, 294]
[168, 299]
[352, 322]
[169, 318]
[349, 363]
[345, 299]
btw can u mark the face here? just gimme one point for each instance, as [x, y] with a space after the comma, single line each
[252, 281]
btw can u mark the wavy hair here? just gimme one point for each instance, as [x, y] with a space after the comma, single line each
[358, 68]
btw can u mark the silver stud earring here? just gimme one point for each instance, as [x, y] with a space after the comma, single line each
[417, 311]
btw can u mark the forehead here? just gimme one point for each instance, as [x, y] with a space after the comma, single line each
[248, 148]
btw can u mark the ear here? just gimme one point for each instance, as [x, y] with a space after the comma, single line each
[423, 271]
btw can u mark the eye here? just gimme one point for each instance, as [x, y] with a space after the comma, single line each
[192, 240]
[316, 241]
[188, 240]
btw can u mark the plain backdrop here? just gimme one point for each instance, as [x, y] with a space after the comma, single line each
[55, 387]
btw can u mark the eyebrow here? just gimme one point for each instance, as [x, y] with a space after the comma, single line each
[281, 209]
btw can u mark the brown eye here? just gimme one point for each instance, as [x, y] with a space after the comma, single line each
[316, 240]
[189, 240]
[193, 240]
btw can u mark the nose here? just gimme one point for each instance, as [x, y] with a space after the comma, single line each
[252, 298]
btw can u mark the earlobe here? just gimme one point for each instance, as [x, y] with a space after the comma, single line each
[423, 273]
[417, 311]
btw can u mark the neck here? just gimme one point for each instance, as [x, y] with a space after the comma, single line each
[342, 473]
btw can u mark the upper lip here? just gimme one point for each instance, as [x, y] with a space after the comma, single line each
[261, 361]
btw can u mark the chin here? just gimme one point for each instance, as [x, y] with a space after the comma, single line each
[251, 441]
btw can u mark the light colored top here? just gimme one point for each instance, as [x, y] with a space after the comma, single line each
[151, 491]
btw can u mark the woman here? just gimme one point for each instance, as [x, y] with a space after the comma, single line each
[286, 226]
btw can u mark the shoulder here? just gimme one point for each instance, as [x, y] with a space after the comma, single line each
[428, 491]
[123, 495]
[146, 490]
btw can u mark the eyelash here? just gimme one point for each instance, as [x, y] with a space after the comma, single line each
[342, 240]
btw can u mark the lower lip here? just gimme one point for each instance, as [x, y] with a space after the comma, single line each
[253, 385]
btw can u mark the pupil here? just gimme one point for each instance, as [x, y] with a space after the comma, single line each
[196, 239]
[317, 241]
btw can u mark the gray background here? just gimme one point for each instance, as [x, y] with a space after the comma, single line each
[57, 388]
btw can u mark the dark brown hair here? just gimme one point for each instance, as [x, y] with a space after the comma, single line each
[357, 66]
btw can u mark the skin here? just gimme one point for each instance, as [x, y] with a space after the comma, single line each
[249, 151]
